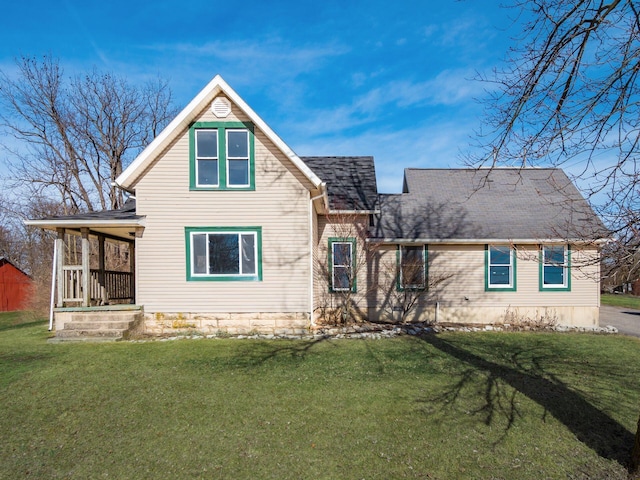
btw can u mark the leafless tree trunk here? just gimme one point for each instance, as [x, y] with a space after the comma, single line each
[634, 469]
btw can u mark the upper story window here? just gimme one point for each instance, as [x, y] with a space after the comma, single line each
[206, 146]
[413, 269]
[221, 156]
[500, 268]
[555, 267]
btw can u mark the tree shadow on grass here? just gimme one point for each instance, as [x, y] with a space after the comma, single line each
[591, 426]
[261, 352]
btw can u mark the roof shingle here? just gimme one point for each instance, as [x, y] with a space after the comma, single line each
[351, 181]
[487, 204]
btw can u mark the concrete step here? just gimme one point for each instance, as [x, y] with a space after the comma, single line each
[100, 326]
[105, 325]
[105, 317]
[110, 333]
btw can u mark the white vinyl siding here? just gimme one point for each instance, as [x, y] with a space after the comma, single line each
[279, 204]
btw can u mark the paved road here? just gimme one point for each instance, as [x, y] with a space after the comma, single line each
[627, 321]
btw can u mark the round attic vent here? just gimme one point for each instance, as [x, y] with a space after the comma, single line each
[221, 107]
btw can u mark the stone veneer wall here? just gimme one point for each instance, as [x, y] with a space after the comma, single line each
[295, 323]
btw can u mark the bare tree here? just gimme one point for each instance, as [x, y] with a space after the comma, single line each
[74, 136]
[570, 96]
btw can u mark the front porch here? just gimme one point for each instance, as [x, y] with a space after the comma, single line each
[93, 290]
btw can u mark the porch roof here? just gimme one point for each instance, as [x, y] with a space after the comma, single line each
[121, 224]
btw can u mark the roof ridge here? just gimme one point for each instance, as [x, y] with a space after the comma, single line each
[471, 169]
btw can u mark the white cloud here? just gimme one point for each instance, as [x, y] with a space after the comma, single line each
[428, 145]
[450, 88]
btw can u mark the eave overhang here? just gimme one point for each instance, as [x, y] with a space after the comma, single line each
[485, 241]
[123, 229]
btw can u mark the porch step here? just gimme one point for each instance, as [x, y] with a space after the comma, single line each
[99, 326]
[115, 334]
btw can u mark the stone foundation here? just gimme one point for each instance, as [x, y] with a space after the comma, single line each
[292, 323]
[587, 317]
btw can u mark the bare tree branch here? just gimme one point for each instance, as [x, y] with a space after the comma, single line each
[75, 136]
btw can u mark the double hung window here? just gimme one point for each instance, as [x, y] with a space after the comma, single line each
[500, 268]
[413, 271]
[222, 156]
[206, 152]
[342, 264]
[555, 267]
[224, 253]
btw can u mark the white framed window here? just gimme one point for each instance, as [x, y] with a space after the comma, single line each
[221, 156]
[500, 268]
[413, 267]
[555, 271]
[224, 253]
[342, 264]
[206, 153]
[237, 158]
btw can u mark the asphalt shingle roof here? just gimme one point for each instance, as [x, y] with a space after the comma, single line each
[126, 212]
[487, 204]
[351, 181]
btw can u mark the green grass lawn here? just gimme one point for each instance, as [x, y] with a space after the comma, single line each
[457, 405]
[625, 301]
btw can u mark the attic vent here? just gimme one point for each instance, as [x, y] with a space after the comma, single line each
[221, 107]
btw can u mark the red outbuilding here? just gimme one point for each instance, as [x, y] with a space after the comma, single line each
[15, 286]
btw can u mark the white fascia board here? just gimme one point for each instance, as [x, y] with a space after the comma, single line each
[353, 212]
[271, 135]
[132, 173]
[77, 223]
[484, 241]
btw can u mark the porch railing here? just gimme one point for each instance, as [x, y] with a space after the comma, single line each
[110, 285]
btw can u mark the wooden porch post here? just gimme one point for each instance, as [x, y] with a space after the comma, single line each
[132, 268]
[86, 271]
[60, 280]
[101, 261]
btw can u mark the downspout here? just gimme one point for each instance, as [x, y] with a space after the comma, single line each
[311, 259]
[53, 284]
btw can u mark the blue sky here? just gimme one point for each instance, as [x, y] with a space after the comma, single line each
[388, 79]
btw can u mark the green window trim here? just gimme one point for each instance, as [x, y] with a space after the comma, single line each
[410, 288]
[221, 128]
[354, 281]
[191, 276]
[566, 287]
[513, 266]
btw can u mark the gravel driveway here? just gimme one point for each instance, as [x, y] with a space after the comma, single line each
[627, 321]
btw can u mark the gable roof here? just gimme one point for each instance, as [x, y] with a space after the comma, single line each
[183, 120]
[351, 182]
[484, 205]
[6, 261]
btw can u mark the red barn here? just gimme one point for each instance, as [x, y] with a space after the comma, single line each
[15, 287]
